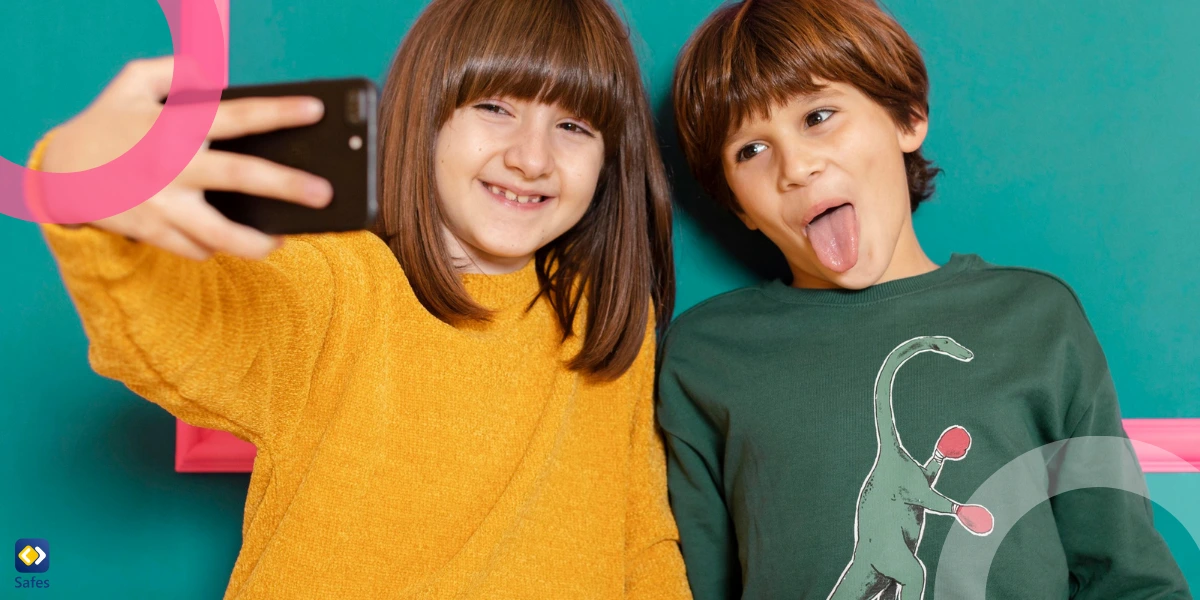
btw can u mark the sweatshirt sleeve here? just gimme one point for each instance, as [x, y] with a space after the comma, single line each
[694, 475]
[225, 343]
[654, 567]
[1113, 550]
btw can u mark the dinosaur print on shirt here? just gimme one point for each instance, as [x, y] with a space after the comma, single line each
[899, 491]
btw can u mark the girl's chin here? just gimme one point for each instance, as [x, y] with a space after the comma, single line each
[508, 252]
[505, 257]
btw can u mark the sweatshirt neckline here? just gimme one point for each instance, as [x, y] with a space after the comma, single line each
[958, 263]
[498, 292]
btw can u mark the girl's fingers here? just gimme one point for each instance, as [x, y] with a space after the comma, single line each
[233, 172]
[175, 241]
[144, 79]
[246, 116]
[209, 228]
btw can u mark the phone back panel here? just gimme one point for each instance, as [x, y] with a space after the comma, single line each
[324, 148]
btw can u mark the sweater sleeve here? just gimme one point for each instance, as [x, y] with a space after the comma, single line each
[707, 536]
[1113, 550]
[225, 343]
[654, 567]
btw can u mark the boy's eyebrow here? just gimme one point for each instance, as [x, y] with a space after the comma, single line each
[821, 94]
[825, 93]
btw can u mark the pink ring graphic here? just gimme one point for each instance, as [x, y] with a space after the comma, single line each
[198, 40]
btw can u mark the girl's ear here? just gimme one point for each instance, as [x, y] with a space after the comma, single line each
[911, 140]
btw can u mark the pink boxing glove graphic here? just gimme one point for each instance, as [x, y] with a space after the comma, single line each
[953, 444]
[977, 519]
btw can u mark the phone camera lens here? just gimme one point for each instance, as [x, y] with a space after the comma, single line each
[356, 107]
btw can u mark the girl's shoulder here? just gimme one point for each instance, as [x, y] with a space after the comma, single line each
[359, 251]
[358, 262]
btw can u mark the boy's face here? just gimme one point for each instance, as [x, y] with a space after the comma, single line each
[823, 177]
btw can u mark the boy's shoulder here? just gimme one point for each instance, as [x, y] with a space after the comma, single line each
[719, 305]
[1035, 288]
[713, 315]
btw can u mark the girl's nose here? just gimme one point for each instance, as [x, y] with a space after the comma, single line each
[530, 153]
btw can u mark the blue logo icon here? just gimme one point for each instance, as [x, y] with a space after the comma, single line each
[33, 555]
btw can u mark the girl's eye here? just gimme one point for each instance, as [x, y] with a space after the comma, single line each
[749, 151]
[817, 117]
[577, 128]
[492, 108]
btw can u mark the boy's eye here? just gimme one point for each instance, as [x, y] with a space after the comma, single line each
[817, 117]
[749, 151]
[577, 128]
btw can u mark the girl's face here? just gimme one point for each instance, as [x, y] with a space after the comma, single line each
[512, 175]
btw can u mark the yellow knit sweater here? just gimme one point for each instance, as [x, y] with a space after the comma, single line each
[398, 457]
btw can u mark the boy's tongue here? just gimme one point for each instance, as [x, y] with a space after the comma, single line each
[834, 237]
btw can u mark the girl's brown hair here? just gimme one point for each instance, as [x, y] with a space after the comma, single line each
[574, 53]
[750, 56]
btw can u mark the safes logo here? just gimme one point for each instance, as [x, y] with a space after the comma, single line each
[33, 555]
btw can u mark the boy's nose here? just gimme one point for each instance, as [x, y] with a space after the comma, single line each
[797, 168]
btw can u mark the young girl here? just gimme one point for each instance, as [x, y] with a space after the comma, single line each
[460, 404]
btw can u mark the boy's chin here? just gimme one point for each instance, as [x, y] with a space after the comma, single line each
[853, 279]
[864, 274]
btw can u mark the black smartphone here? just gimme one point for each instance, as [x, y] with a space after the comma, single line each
[340, 148]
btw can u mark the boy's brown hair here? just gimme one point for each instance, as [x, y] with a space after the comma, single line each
[750, 56]
[576, 53]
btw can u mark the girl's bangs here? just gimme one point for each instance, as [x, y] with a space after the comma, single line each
[549, 53]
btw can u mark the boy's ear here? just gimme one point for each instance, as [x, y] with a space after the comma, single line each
[911, 140]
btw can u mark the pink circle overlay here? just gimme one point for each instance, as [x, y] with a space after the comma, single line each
[199, 75]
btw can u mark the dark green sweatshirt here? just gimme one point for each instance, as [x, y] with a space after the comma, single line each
[830, 443]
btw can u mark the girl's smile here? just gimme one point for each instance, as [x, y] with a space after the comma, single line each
[517, 198]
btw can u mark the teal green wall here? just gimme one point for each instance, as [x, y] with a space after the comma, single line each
[1067, 130]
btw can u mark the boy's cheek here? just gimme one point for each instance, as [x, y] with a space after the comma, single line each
[792, 243]
[747, 220]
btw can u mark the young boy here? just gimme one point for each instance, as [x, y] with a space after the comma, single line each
[789, 431]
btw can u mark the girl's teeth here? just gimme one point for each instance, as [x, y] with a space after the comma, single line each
[499, 191]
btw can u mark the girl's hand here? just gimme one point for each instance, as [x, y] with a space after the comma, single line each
[178, 219]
